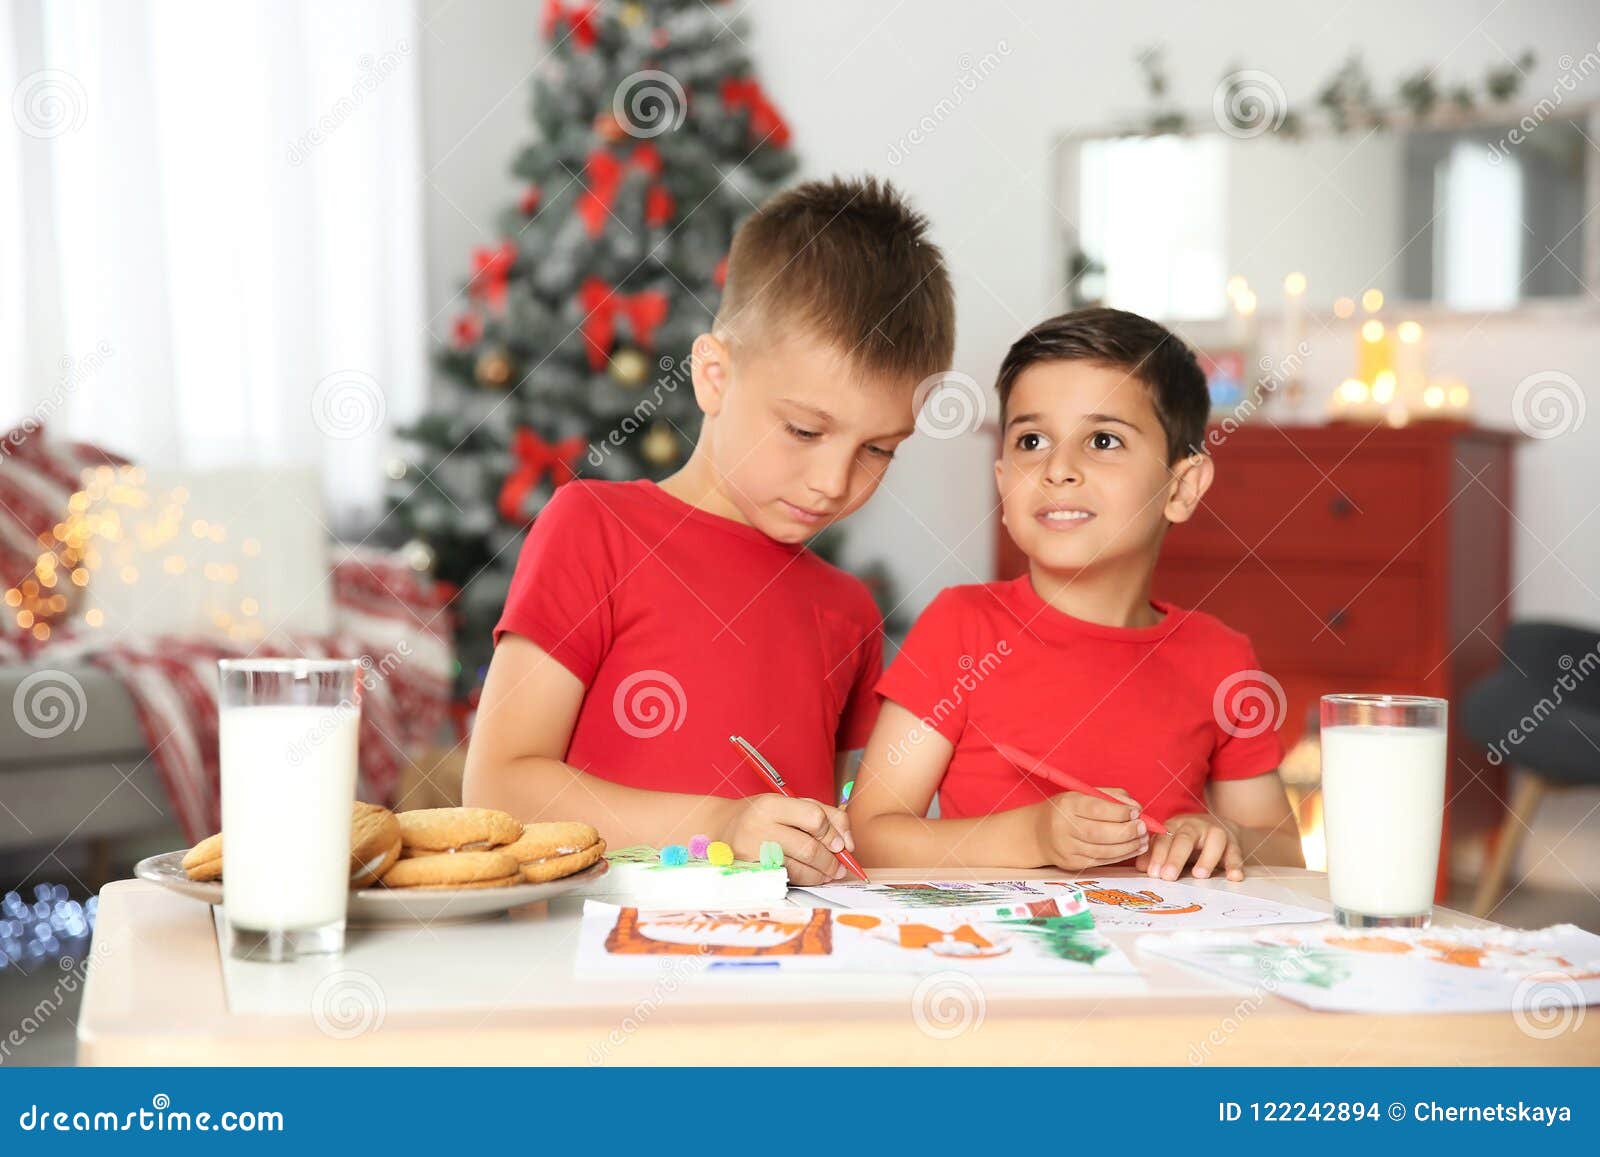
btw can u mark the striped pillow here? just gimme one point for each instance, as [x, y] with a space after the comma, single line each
[37, 477]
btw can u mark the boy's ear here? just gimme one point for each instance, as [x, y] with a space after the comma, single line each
[1191, 478]
[708, 365]
[999, 489]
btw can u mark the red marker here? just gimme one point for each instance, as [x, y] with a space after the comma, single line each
[1069, 782]
[758, 761]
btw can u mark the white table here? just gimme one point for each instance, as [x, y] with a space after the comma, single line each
[505, 992]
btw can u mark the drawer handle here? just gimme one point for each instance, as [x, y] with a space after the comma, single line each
[1341, 507]
[1338, 618]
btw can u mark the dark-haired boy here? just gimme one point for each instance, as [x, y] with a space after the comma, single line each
[1103, 417]
[646, 623]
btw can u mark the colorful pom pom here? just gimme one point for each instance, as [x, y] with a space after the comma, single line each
[698, 846]
[674, 856]
[771, 854]
[719, 854]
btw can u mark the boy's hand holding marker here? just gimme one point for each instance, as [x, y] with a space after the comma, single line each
[823, 841]
[811, 833]
[1077, 831]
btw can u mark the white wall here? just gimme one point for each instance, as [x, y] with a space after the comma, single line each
[856, 79]
[478, 61]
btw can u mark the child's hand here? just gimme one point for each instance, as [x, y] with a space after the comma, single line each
[810, 833]
[1077, 831]
[1205, 837]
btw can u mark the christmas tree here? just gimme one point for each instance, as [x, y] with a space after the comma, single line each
[570, 359]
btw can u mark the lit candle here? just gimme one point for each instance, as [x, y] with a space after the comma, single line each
[1447, 398]
[1374, 351]
[1352, 400]
[1410, 377]
[1242, 321]
[1294, 336]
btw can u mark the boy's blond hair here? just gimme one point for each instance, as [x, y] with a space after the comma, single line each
[847, 261]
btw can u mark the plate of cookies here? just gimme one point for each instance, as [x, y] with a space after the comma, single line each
[426, 866]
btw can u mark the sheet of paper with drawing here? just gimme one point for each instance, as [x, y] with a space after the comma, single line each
[1001, 939]
[1544, 977]
[1119, 905]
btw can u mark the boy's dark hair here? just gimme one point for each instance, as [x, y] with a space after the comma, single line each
[1125, 341]
[850, 262]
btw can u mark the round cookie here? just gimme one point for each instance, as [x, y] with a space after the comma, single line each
[559, 867]
[408, 853]
[368, 872]
[542, 841]
[204, 860]
[373, 832]
[440, 829]
[449, 869]
[498, 882]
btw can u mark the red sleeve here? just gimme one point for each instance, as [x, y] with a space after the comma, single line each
[1248, 707]
[861, 711]
[559, 596]
[927, 670]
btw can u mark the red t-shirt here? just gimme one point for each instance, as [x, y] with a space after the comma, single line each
[1156, 711]
[687, 628]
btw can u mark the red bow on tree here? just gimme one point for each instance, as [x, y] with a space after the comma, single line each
[579, 16]
[536, 457]
[491, 269]
[603, 175]
[601, 304]
[765, 123]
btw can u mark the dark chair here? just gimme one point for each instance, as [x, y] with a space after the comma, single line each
[1540, 713]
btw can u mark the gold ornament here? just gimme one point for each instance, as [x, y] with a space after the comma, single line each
[632, 15]
[493, 369]
[660, 445]
[629, 367]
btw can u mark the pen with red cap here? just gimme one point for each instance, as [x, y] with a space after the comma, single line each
[758, 761]
[1066, 781]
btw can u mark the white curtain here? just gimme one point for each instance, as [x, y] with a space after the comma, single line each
[211, 234]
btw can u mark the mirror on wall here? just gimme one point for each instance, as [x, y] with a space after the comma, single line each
[1486, 215]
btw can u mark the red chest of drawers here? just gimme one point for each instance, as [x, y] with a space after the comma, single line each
[1357, 559]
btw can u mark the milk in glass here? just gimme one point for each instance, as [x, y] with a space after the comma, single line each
[1383, 799]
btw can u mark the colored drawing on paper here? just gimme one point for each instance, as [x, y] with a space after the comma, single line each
[780, 932]
[1066, 938]
[947, 895]
[1145, 900]
[958, 939]
[1118, 904]
[1008, 938]
[1284, 962]
[1138, 904]
[1401, 970]
[1508, 957]
[932, 894]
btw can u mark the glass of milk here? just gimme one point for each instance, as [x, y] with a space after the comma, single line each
[287, 733]
[1383, 777]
